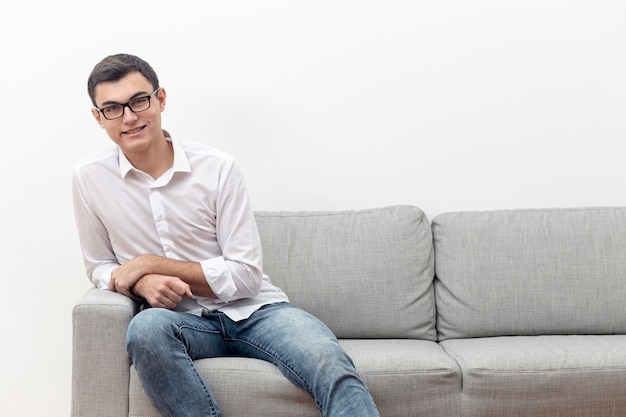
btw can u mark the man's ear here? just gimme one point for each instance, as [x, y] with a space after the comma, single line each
[161, 95]
[98, 116]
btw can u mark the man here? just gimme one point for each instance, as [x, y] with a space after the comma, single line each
[170, 223]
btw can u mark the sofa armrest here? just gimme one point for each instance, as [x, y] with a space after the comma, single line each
[100, 366]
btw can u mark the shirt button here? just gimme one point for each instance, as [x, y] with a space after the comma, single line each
[159, 218]
[167, 248]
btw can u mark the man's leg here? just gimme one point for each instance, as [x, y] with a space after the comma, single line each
[162, 345]
[307, 353]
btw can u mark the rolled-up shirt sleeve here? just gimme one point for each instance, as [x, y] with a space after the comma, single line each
[238, 272]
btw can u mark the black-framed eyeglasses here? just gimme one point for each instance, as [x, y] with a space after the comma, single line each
[136, 105]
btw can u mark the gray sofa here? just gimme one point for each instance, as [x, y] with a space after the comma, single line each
[493, 313]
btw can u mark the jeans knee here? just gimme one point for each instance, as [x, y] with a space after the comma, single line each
[149, 328]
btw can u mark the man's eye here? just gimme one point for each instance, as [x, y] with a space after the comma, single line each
[138, 102]
[112, 109]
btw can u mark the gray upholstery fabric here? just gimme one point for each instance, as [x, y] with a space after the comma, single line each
[530, 272]
[408, 378]
[559, 376]
[514, 275]
[100, 367]
[403, 376]
[366, 274]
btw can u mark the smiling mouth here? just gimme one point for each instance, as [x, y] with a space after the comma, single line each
[133, 131]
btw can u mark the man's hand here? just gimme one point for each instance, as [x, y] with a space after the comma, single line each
[125, 276]
[162, 291]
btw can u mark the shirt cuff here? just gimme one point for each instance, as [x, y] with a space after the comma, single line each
[102, 276]
[219, 279]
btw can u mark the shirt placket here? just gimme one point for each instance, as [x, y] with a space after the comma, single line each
[160, 219]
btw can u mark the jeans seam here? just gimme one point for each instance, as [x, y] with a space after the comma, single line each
[213, 410]
[268, 353]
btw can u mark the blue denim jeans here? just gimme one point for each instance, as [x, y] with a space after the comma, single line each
[162, 345]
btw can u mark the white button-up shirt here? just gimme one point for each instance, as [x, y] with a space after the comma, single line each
[198, 210]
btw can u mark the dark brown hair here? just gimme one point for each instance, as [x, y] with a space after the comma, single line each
[116, 67]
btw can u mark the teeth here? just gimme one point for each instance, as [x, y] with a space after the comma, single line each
[133, 131]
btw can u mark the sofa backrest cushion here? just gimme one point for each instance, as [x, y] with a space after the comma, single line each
[366, 274]
[530, 272]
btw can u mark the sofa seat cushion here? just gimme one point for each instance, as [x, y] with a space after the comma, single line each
[542, 375]
[366, 274]
[408, 375]
[402, 375]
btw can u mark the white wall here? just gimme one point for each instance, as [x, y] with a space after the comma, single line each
[449, 105]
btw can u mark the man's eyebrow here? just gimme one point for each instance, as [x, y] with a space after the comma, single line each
[137, 94]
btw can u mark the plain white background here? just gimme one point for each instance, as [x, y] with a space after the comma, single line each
[328, 105]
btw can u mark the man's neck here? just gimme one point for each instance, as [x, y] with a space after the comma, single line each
[156, 161]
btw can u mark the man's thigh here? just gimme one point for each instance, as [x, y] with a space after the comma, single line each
[201, 337]
[282, 334]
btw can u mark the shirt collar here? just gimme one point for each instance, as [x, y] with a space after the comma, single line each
[181, 163]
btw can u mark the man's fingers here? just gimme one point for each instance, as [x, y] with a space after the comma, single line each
[164, 291]
[166, 302]
[115, 287]
[181, 288]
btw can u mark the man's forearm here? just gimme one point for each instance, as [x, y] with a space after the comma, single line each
[124, 277]
[189, 272]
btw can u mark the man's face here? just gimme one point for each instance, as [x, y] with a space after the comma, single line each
[134, 132]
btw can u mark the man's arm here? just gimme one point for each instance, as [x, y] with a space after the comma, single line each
[98, 255]
[126, 276]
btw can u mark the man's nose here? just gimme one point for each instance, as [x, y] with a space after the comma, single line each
[128, 115]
